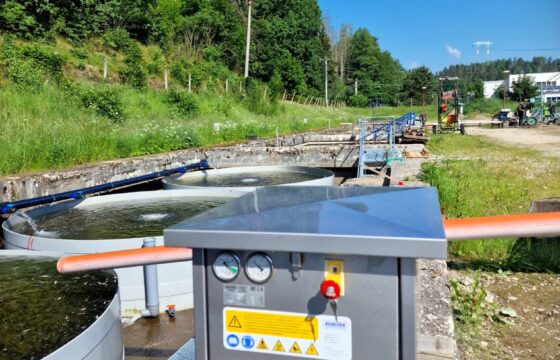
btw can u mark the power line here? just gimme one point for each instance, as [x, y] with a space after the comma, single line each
[549, 49]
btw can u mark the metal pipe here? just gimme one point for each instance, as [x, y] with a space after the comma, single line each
[151, 285]
[525, 225]
[122, 259]
[11, 207]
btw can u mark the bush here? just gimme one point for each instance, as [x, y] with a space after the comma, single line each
[184, 103]
[15, 19]
[358, 100]
[133, 74]
[25, 75]
[105, 101]
[79, 53]
[51, 62]
[20, 72]
[257, 101]
[117, 39]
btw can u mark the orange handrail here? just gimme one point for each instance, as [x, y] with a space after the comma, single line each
[524, 225]
[123, 258]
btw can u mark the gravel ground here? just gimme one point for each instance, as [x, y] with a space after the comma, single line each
[534, 330]
[544, 138]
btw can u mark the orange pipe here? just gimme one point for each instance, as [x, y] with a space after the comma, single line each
[524, 225]
[123, 258]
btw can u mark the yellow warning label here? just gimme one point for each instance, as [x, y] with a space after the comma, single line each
[278, 346]
[272, 324]
[262, 345]
[295, 348]
[334, 270]
[234, 323]
[311, 350]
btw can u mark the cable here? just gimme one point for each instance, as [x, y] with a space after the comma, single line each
[550, 49]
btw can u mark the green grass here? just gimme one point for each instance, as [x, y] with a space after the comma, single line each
[483, 178]
[488, 106]
[51, 129]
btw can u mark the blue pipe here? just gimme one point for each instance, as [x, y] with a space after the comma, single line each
[11, 207]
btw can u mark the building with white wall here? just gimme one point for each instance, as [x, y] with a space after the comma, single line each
[549, 82]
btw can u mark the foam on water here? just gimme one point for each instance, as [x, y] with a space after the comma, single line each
[48, 234]
[152, 217]
[257, 178]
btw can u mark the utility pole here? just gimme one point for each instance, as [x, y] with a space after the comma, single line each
[326, 82]
[423, 96]
[355, 86]
[250, 3]
[506, 73]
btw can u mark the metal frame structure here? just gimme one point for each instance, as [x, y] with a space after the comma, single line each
[378, 128]
[374, 127]
[448, 108]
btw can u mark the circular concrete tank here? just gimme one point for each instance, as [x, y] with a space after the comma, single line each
[63, 227]
[57, 317]
[248, 178]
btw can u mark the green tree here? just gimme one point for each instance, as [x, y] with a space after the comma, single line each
[378, 74]
[524, 88]
[289, 38]
[415, 80]
[477, 88]
[14, 18]
[363, 62]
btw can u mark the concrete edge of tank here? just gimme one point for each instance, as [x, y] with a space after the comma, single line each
[99, 341]
[326, 179]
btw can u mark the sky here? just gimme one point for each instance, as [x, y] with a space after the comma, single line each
[438, 33]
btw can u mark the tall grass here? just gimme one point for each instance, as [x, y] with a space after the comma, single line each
[52, 128]
[490, 179]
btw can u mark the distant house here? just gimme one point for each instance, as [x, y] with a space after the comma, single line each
[548, 82]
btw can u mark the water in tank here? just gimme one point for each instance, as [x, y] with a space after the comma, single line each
[135, 217]
[42, 310]
[118, 222]
[251, 177]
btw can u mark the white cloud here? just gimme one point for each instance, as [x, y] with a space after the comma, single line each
[413, 65]
[453, 52]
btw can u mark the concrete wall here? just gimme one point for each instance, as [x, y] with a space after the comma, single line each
[28, 186]
[305, 154]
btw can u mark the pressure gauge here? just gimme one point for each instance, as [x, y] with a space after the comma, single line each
[226, 266]
[258, 268]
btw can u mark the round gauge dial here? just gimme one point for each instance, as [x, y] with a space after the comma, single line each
[258, 268]
[226, 266]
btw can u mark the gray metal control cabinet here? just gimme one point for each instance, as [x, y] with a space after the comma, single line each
[310, 272]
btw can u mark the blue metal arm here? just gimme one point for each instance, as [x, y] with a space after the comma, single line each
[11, 207]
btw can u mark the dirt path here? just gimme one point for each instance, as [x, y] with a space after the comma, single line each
[543, 138]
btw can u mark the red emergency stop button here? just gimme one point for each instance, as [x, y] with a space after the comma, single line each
[330, 289]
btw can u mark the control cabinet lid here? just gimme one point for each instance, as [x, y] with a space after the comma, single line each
[376, 221]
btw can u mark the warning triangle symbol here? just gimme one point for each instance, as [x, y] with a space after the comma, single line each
[234, 323]
[295, 348]
[311, 350]
[278, 346]
[262, 345]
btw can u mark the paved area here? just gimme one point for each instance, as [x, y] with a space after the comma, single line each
[158, 338]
